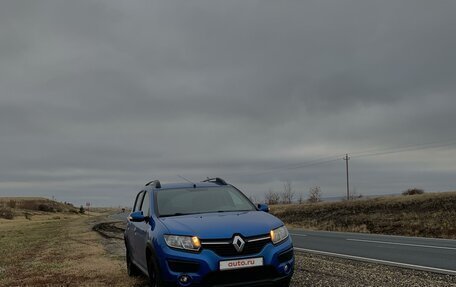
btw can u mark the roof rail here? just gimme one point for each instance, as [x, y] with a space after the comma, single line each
[216, 180]
[156, 183]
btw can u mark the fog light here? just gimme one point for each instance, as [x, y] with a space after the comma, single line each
[184, 280]
[287, 268]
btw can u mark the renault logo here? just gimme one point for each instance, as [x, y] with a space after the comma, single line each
[238, 243]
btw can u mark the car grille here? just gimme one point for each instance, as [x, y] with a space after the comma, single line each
[225, 248]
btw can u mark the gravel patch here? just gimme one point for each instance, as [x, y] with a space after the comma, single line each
[317, 270]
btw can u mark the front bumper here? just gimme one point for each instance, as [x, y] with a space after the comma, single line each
[203, 268]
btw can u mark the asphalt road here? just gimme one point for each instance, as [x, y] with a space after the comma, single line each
[436, 255]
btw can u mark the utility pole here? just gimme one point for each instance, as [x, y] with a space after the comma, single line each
[347, 158]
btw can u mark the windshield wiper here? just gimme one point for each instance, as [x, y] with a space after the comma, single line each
[174, 214]
[220, 211]
[215, 211]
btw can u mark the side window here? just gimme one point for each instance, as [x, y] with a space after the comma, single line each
[146, 204]
[138, 201]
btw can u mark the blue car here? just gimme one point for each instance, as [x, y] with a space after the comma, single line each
[206, 234]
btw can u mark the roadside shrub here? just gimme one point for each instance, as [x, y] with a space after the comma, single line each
[28, 215]
[288, 193]
[6, 213]
[81, 209]
[12, 204]
[413, 191]
[314, 194]
[29, 205]
[272, 197]
[45, 208]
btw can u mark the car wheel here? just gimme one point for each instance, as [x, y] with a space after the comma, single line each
[132, 270]
[154, 273]
[285, 283]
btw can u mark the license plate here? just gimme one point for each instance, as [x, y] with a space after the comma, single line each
[241, 263]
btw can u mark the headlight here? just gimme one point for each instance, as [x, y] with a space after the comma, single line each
[183, 242]
[279, 234]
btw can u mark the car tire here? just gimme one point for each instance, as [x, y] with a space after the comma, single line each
[284, 283]
[154, 273]
[132, 270]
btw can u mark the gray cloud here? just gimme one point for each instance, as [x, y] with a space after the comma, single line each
[99, 96]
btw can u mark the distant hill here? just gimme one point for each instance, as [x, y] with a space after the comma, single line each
[39, 204]
[427, 215]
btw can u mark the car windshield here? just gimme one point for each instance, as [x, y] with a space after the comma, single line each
[175, 202]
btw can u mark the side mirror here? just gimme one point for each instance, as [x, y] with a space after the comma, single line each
[263, 207]
[136, 216]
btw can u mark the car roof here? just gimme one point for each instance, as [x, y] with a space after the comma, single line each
[184, 185]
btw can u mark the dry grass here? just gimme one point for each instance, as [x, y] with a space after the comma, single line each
[56, 252]
[22, 204]
[429, 215]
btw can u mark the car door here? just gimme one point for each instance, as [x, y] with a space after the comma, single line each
[132, 237]
[142, 229]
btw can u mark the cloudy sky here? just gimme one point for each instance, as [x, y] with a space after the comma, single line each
[98, 97]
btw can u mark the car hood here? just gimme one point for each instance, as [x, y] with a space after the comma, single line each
[222, 225]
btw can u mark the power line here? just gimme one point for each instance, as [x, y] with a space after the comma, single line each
[301, 165]
[375, 150]
[359, 154]
[292, 165]
[406, 149]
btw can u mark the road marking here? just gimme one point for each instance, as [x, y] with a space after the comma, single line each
[403, 244]
[385, 262]
[374, 234]
[294, 234]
